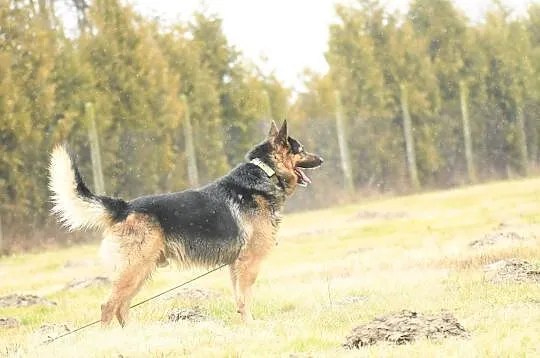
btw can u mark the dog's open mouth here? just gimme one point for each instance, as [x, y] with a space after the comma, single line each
[302, 178]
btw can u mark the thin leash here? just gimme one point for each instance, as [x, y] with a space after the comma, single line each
[50, 340]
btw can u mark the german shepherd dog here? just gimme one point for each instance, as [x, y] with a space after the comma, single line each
[232, 221]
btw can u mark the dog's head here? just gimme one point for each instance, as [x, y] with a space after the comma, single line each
[286, 156]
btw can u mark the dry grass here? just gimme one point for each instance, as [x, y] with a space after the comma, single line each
[475, 260]
[421, 261]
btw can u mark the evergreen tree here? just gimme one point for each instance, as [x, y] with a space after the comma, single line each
[27, 56]
[358, 78]
[133, 95]
[533, 29]
[453, 57]
[198, 84]
[509, 82]
[409, 75]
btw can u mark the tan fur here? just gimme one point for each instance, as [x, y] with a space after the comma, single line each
[140, 244]
[178, 251]
[246, 267]
[285, 163]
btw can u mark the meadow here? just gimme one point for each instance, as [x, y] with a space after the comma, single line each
[332, 270]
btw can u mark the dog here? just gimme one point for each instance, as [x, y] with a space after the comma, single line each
[232, 221]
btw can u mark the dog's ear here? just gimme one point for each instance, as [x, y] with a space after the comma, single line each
[283, 133]
[273, 130]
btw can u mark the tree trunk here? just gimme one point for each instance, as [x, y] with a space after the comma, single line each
[99, 184]
[193, 173]
[522, 141]
[343, 146]
[409, 138]
[464, 98]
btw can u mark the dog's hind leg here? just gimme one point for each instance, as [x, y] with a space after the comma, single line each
[125, 287]
[141, 247]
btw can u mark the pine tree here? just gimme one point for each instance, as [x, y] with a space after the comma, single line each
[133, 96]
[27, 55]
[198, 83]
[452, 55]
[509, 84]
[357, 77]
[533, 29]
[408, 74]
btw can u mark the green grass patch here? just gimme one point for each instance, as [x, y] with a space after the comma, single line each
[419, 261]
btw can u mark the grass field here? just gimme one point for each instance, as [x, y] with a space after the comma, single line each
[402, 253]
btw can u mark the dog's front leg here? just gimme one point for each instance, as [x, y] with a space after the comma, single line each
[243, 275]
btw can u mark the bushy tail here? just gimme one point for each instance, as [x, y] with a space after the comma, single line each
[76, 206]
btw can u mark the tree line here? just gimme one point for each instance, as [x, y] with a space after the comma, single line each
[429, 98]
[417, 100]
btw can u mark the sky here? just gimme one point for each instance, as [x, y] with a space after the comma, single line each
[271, 28]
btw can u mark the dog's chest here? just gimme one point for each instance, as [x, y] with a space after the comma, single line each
[261, 232]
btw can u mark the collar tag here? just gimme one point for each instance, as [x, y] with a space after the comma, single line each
[269, 171]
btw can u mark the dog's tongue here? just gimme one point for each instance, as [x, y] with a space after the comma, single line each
[304, 180]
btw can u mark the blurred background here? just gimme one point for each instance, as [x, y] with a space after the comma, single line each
[158, 96]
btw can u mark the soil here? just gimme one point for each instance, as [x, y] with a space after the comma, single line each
[499, 237]
[405, 327]
[512, 270]
[187, 314]
[97, 281]
[16, 300]
[9, 322]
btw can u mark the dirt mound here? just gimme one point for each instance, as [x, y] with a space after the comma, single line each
[194, 294]
[97, 281]
[404, 327]
[9, 322]
[187, 314]
[371, 215]
[499, 237]
[512, 270]
[16, 300]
